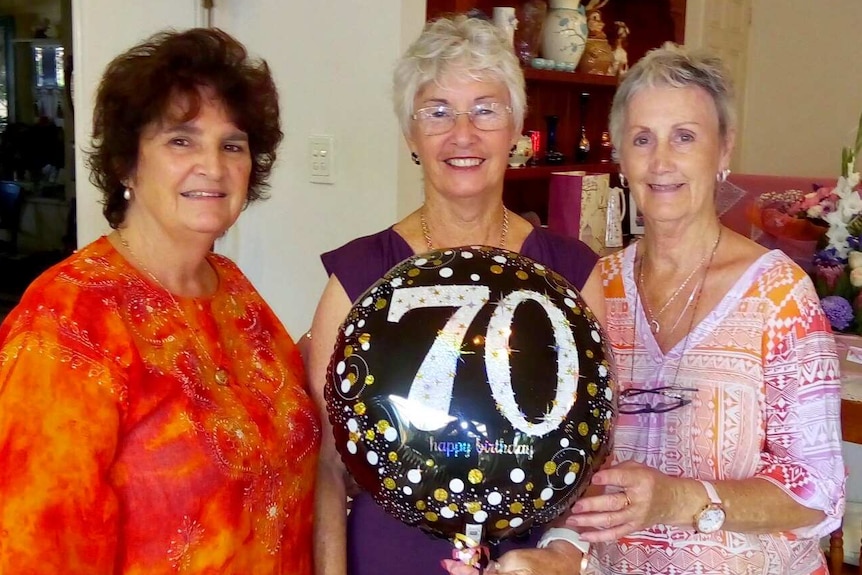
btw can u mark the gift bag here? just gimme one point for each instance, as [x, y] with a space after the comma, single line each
[577, 206]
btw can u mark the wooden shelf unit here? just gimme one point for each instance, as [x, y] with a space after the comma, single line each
[552, 76]
[544, 171]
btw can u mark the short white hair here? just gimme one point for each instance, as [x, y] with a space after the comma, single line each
[466, 44]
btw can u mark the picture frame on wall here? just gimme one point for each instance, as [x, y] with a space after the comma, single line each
[636, 218]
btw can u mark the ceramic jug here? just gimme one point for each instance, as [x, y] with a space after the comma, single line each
[565, 33]
[615, 214]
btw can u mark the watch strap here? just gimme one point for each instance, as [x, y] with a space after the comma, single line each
[564, 534]
[711, 492]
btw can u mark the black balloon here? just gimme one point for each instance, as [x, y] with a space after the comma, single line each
[471, 392]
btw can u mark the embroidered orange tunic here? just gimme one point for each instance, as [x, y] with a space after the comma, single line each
[119, 450]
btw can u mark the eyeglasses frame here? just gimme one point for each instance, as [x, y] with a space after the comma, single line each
[666, 391]
[469, 113]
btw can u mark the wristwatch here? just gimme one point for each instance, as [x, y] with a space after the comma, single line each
[710, 518]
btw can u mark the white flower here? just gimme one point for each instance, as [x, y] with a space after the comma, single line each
[856, 277]
[850, 206]
[838, 235]
[815, 211]
[834, 219]
[844, 186]
[855, 259]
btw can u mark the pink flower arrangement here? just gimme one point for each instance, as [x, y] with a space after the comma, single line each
[818, 204]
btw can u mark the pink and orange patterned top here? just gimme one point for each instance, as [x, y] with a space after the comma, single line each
[766, 404]
[123, 451]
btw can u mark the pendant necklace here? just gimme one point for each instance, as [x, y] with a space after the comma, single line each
[427, 234]
[653, 318]
[696, 293]
[221, 374]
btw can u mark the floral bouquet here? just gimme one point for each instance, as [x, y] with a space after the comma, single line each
[837, 269]
[794, 214]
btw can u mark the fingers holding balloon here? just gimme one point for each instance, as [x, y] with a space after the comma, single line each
[606, 517]
[615, 501]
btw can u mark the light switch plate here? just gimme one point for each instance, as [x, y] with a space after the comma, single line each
[321, 159]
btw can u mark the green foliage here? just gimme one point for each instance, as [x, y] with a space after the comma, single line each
[855, 226]
[858, 145]
[849, 155]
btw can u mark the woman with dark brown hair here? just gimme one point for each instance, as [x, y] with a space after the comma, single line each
[153, 410]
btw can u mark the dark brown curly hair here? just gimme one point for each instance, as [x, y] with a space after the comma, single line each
[139, 86]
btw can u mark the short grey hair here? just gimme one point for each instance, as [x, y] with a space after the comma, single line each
[463, 43]
[673, 66]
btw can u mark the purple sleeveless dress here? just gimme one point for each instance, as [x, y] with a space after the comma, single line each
[377, 543]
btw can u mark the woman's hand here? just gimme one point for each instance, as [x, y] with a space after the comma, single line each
[635, 497]
[556, 559]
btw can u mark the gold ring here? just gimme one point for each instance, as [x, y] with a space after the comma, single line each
[628, 501]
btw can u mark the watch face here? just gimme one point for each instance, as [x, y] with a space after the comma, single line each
[710, 519]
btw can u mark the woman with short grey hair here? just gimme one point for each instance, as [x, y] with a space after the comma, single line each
[727, 446]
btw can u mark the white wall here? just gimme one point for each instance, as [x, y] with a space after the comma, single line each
[101, 29]
[332, 60]
[804, 89]
[410, 194]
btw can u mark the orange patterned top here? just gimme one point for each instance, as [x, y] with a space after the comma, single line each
[119, 450]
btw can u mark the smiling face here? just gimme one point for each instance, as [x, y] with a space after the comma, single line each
[671, 151]
[464, 161]
[191, 177]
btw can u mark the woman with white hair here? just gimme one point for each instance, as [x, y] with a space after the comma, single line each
[459, 95]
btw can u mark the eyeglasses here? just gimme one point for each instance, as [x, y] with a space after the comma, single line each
[631, 400]
[488, 116]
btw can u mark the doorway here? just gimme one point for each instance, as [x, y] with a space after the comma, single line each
[37, 168]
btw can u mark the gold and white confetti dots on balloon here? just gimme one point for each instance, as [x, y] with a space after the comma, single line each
[471, 391]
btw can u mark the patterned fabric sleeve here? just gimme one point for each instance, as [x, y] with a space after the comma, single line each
[802, 450]
[59, 416]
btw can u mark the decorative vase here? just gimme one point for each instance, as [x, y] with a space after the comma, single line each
[528, 36]
[582, 152]
[552, 155]
[565, 33]
[606, 148]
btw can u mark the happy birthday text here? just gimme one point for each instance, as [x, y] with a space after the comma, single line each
[465, 448]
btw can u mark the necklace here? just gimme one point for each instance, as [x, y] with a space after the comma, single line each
[691, 296]
[653, 318]
[426, 233]
[221, 375]
[698, 291]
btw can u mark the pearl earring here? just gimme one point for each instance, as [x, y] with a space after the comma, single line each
[127, 194]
